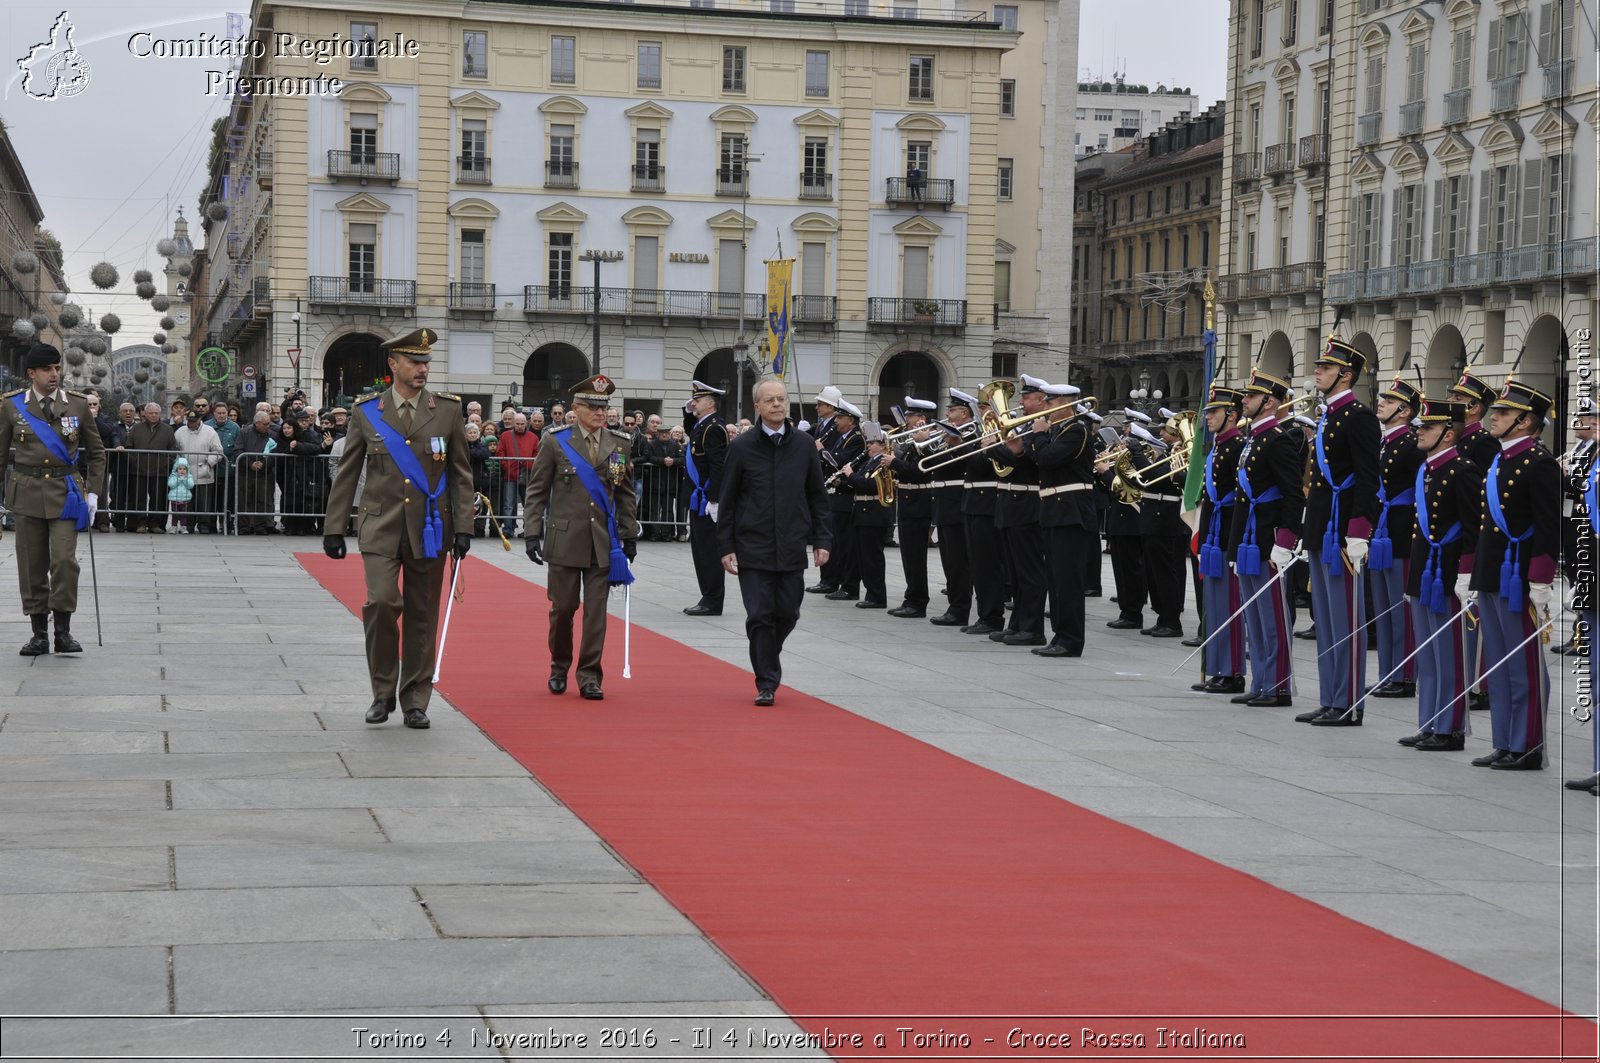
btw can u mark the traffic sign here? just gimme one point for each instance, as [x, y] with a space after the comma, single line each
[294, 357]
[249, 372]
[247, 389]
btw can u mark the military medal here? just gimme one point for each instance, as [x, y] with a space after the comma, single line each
[69, 427]
[437, 445]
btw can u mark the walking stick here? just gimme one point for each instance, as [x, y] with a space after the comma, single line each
[455, 575]
[94, 581]
[627, 632]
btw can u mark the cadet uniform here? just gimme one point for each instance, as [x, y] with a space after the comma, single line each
[580, 512]
[51, 501]
[1341, 507]
[707, 449]
[1480, 448]
[1514, 566]
[1064, 457]
[1449, 502]
[1219, 584]
[1386, 569]
[417, 496]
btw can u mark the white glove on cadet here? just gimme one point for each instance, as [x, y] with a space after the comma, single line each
[1541, 595]
[94, 505]
[1356, 551]
[1464, 589]
[1282, 557]
[711, 511]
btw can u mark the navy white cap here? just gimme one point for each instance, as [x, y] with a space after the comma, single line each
[1139, 432]
[703, 391]
[1136, 417]
[1033, 383]
[920, 404]
[848, 408]
[961, 398]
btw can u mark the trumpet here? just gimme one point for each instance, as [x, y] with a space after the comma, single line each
[1304, 403]
[997, 428]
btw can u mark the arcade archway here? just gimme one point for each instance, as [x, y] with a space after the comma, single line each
[550, 372]
[1544, 365]
[1367, 386]
[910, 373]
[1277, 358]
[354, 364]
[1445, 361]
[718, 370]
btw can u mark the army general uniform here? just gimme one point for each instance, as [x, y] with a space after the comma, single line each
[40, 436]
[403, 528]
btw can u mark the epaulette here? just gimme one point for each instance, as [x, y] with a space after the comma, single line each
[447, 395]
[625, 437]
[10, 394]
[369, 397]
[77, 394]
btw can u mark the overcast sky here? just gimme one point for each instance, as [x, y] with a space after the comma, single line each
[112, 165]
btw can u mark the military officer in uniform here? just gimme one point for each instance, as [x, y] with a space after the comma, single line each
[1122, 540]
[1390, 552]
[841, 576]
[1514, 567]
[1478, 446]
[914, 504]
[1266, 525]
[1016, 517]
[589, 533]
[42, 428]
[869, 515]
[985, 545]
[411, 443]
[1166, 541]
[707, 449]
[1219, 584]
[1449, 502]
[947, 490]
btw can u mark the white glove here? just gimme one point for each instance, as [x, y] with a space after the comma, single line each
[1464, 589]
[1356, 551]
[711, 511]
[1541, 595]
[94, 505]
[1282, 557]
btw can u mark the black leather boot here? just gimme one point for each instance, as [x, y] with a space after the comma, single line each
[39, 645]
[65, 643]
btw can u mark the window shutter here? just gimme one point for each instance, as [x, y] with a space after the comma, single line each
[1497, 34]
[1375, 234]
[813, 269]
[1516, 44]
[1532, 182]
[1396, 227]
[1547, 32]
[915, 281]
[1510, 236]
[1483, 209]
[1357, 232]
[646, 262]
[729, 279]
[1463, 223]
[1563, 48]
[1557, 227]
[1438, 218]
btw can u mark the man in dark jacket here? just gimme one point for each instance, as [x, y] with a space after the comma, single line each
[772, 505]
[112, 436]
[255, 477]
[149, 470]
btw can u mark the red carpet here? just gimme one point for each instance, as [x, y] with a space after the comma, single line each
[853, 871]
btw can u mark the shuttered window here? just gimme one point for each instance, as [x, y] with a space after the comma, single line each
[914, 282]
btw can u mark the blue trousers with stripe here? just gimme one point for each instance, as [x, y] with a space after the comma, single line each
[1519, 688]
[1396, 632]
[1441, 669]
[1268, 631]
[1225, 652]
[1340, 616]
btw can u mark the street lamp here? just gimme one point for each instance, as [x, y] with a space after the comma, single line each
[296, 319]
[742, 345]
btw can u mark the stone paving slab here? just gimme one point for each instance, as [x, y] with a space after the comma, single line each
[53, 719]
[60, 767]
[193, 916]
[186, 827]
[82, 796]
[361, 793]
[50, 742]
[576, 910]
[87, 869]
[478, 823]
[317, 740]
[123, 981]
[238, 865]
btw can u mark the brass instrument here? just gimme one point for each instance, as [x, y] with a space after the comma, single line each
[488, 511]
[1304, 403]
[997, 427]
[1129, 483]
[883, 484]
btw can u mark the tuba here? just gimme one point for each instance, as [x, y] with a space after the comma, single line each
[883, 484]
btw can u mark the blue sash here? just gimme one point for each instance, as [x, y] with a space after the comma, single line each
[1432, 585]
[1511, 563]
[1332, 547]
[76, 509]
[1380, 558]
[1248, 561]
[1213, 556]
[411, 468]
[697, 499]
[621, 574]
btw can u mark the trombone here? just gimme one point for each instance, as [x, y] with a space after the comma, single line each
[997, 427]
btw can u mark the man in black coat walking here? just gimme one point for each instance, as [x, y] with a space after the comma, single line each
[772, 506]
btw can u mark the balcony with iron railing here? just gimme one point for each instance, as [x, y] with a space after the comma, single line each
[472, 169]
[938, 191]
[1505, 93]
[361, 290]
[1369, 129]
[1412, 117]
[644, 302]
[471, 295]
[1571, 260]
[814, 310]
[1558, 79]
[648, 177]
[1457, 106]
[264, 168]
[1279, 159]
[1247, 166]
[366, 165]
[815, 185]
[1300, 278]
[1314, 150]
[926, 313]
[732, 180]
[560, 173]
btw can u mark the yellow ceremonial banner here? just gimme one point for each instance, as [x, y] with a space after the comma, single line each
[780, 275]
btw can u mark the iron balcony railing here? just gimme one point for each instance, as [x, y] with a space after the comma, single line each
[1412, 116]
[1314, 149]
[939, 191]
[733, 181]
[383, 165]
[931, 312]
[1279, 158]
[1457, 106]
[649, 178]
[1247, 166]
[472, 169]
[1558, 79]
[647, 302]
[814, 310]
[1519, 265]
[1504, 93]
[1296, 279]
[815, 185]
[361, 290]
[1369, 129]
[471, 295]
[560, 173]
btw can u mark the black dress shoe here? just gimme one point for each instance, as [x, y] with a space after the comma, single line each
[1592, 784]
[1270, 701]
[870, 604]
[948, 620]
[1338, 718]
[1532, 760]
[841, 595]
[1164, 632]
[1091, 594]
[1242, 699]
[980, 628]
[1122, 623]
[417, 719]
[1477, 702]
[702, 610]
[1001, 635]
[1313, 715]
[1221, 684]
[1022, 638]
[1412, 740]
[1395, 688]
[591, 691]
[1309, 633]
[1442, 743]
[822, 588]
[1566, 649]
[1055, 649]
[1193, 643]
[558, 683]
[380, 710]
[1489, 759]
[908, 612]
[765, 697]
